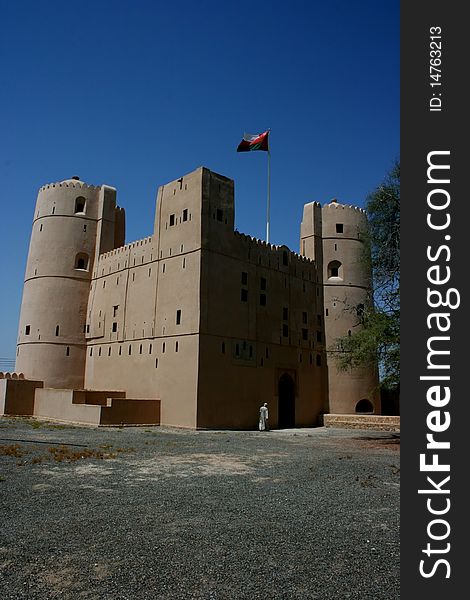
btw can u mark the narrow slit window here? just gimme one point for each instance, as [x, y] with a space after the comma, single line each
[57, 329]
[178, 317]
[172, 220]
[114, 327]
[185, 214]
[27, 330]
[67, 352]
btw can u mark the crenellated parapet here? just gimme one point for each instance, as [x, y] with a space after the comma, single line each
[70, 183]
[130, 255]
[272, 249]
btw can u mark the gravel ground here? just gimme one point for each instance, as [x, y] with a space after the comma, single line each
[157, 513]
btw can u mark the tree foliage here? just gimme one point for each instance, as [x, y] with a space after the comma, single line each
[377, 340]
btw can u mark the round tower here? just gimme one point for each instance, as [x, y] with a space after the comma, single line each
[72, 222]
[347, 289]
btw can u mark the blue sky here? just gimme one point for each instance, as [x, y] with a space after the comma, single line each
[136, 93]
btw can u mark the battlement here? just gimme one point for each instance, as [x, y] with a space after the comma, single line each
[125, 248]
[272, 249]
[69, 183]
[131, 255]
[335, 205]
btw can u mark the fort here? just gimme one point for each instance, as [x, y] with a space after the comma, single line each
[195, 326]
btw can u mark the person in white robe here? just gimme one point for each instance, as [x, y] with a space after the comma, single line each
[263, 417]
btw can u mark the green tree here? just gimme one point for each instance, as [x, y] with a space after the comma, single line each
[377, 339]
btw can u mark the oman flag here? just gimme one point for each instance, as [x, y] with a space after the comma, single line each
[257, 141]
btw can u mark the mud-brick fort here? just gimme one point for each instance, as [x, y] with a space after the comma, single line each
[195, 326]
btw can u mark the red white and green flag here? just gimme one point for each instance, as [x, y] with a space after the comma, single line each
[254, 141]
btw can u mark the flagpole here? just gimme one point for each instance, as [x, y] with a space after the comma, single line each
[269, 196]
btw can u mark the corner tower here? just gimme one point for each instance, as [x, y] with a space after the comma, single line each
[347, 290]
[73, 223]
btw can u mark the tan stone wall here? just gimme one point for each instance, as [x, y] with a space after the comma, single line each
[72, 222]
[344, 292]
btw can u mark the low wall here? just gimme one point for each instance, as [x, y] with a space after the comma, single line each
[127, 411]
[96, 397]
[17, 396]
[58, 404]
[377, 422]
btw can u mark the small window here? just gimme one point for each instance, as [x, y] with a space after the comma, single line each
[262, 299]
[349, 333]
[130, 350]
[120, 350]
[81, 261]
[40, 227]
[339, 228]
[335, 269]
[244, 278]
[140, 349]
[185, 214]
[109, 351]
[319, 320]
[285, 313]
[99, 351]
[163, 348]
[156, 363]
[67, 352]
[114, 327]
[150, 349]
[176, 346]
[80, 203]
[27, 330]
[84, 228]
[285, 330]
[285, 258]
[172, 220]
[88, 328]
[220, 214]
[115, 310]
[319, 336]
[178, 317]
[304, 317]
[244, 295]
[262, 283]
[91, 351]
[223, 347]
[237, 350]
[305, 334]
[326, 312]
[57, 330]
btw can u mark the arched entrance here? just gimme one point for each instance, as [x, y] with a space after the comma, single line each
[286, 406]
[364, 406]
